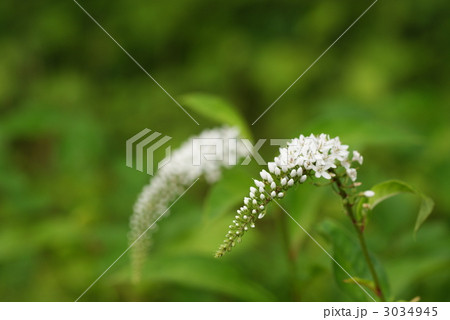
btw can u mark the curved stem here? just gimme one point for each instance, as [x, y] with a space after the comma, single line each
[360, 232]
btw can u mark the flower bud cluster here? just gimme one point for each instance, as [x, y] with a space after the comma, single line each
[301, 159]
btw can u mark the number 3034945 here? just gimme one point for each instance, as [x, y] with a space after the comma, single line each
[412, 311]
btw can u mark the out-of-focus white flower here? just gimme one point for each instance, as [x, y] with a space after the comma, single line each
[172, 180]
[303, 157]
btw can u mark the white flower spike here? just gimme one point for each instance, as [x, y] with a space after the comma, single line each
[171, 181]
[303, 157]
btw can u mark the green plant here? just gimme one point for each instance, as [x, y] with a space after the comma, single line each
[316, 157]
[323, 161]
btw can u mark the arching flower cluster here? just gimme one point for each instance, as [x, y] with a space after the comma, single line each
[172, 180]
[302, 158]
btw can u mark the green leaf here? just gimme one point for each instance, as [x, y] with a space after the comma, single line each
[390, 188]
[347, 252]
[225, 195]
[217, 109]
[426, 206]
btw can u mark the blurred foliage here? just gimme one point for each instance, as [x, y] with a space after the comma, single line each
[218, 110]
[69, 99]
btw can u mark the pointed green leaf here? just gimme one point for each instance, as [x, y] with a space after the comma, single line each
[390, 188]
[426, 206]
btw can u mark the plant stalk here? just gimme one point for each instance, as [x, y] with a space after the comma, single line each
[360, 232]
[376, 280]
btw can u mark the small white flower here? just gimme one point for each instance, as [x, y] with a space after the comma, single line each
[252, 189]
[273, 194]
[273, 185]
[283, 181]
[261, 215]
[291, 182]
[321, 171]
[293, 173]
[357, 157]
[262, 196]
[303, 178]
[280, 195]
[352, 173]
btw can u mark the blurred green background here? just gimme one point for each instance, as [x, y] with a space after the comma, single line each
[69, 99]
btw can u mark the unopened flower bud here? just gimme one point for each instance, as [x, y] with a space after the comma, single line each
[368, 193]
[277, 171]
[259, 184]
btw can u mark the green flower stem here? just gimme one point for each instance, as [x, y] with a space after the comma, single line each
[348, 205]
